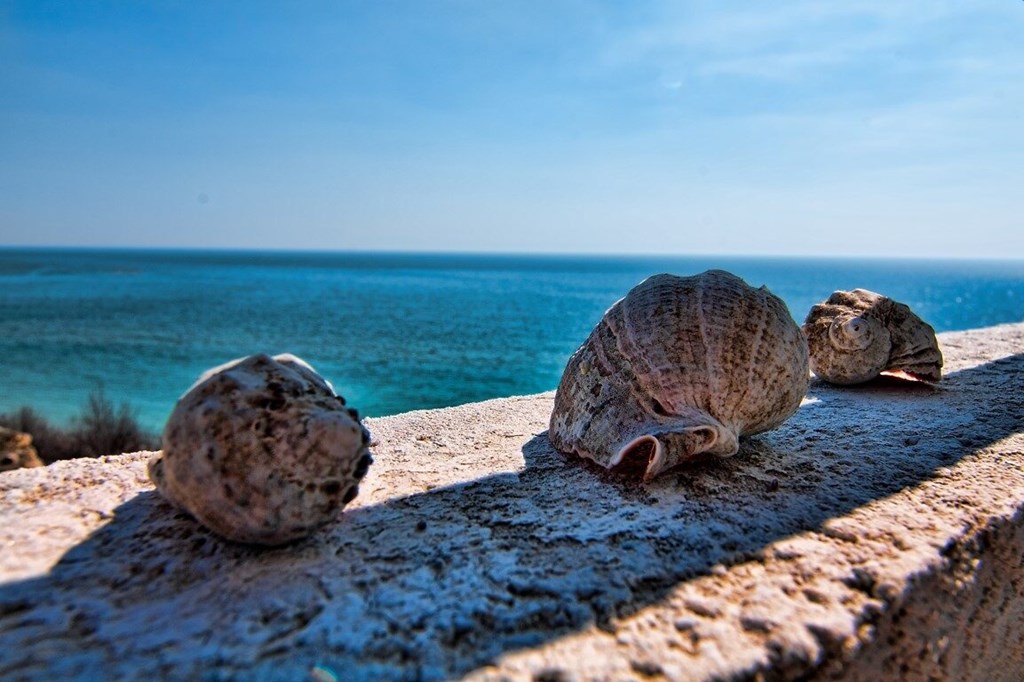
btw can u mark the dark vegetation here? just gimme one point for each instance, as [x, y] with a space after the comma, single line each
[100, 429]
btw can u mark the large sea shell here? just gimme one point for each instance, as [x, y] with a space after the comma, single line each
[856, 335]
[679, 367]
[262, 450]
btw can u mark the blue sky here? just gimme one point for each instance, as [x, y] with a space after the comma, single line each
[848, 129]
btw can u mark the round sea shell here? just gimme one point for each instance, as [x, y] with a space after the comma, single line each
[679, 367]
[16, 450]
[854, 336]
[262, 450]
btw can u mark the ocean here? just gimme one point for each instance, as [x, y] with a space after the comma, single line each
[392, 332]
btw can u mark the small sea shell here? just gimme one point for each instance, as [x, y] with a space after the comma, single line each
[856, 335]
[680, 366]
[16, 451]
[262, 450]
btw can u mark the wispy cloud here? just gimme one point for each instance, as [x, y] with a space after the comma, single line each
[840, 89]
[789, 41]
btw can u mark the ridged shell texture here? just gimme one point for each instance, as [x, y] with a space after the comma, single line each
[856, 335]
[678, 367]
[262, 450]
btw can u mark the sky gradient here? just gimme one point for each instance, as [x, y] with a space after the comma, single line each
[861, 128]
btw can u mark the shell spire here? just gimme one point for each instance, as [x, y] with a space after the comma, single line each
[678, 367]
[856, 335]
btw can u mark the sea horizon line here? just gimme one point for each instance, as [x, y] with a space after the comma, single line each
[496, 255]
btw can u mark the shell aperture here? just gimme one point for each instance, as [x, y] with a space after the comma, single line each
[678, 367]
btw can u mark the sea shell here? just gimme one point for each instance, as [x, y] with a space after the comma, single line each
[679, 367]
[262, 450]
[856, 335]
[16, 451]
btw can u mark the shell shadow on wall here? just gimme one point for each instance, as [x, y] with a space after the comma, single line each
[856, 335]
[679, 367]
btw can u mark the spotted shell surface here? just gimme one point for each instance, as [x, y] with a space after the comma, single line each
[856, 335]
[678, 367]
[262, 450]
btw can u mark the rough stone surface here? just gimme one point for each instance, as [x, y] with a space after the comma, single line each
[878, 534]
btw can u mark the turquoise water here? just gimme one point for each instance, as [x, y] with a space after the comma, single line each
[392, 332]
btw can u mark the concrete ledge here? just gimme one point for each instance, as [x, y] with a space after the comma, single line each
[878, 535]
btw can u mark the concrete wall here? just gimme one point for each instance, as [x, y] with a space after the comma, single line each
[879, 534]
